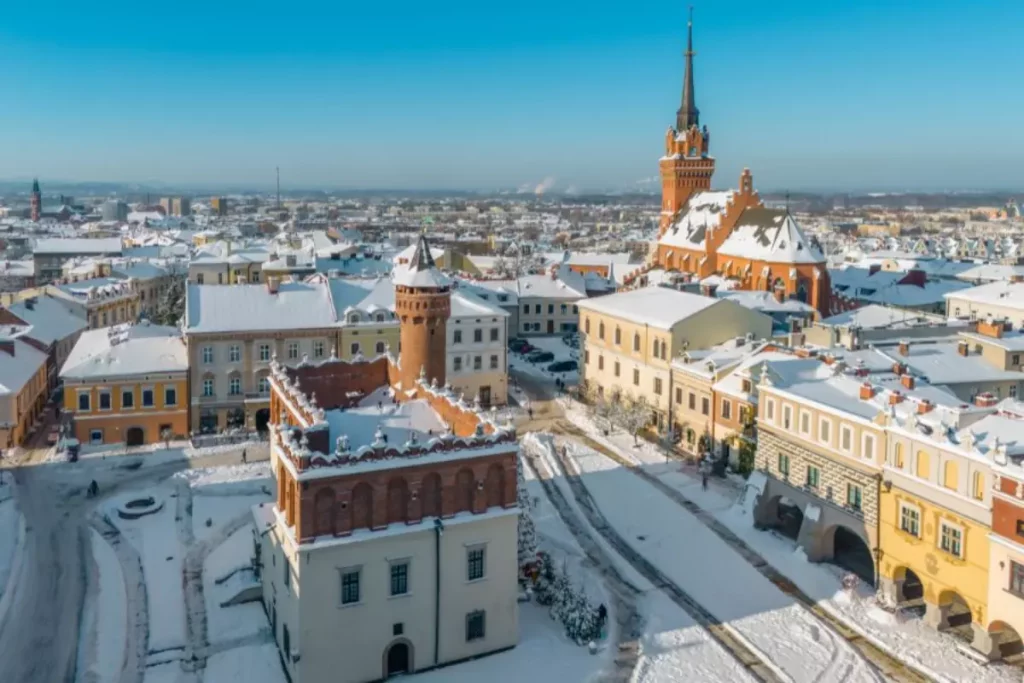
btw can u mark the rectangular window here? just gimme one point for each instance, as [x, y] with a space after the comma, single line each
[853, 496]
[787, 417]
[400, 578]
[951, 539]
[600, 362]
[170, 396]
[475, 564]
[769, 410]
[349, 587]
[147, 398]
[208, 386]
[784, 464]
[868, 447]
[293, 350]
[825, 431]
[235, 353]
[805, 423]
[705, 406]
[679, 395]
[693, 401]
[657, 386]
[551, 309]
[536, 309]
[457, 337]
[104, 400]
[1016, 578]
[127, 398]
[207, 355]
[494, 362]
[478, 336]
[1020, 527]
[474, 626]
[494, 334]
[318, 349]
[617, 368]
[526, 308]
[726, 409]
[846, 438]
[586, 357]
[910, 520]
[457, 364]
[96, 436]
[813, 476]
[354, 348]
[83, 401]
[264, 353]
[636, 378]
[478, 362]
[235, 386]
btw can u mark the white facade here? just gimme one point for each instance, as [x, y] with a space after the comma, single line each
[346, 636]
[476, 362]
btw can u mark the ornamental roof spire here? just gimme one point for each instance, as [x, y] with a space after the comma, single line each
[688, 114]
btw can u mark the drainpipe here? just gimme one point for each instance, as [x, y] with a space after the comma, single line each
[438, 531]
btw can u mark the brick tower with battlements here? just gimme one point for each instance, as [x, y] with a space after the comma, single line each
[687, 166]
[423, 306]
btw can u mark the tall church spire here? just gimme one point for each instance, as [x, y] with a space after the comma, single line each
[688, 114]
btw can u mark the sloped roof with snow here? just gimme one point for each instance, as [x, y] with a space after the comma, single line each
[704, 210]
[78, 245]
[770, 235]
[16, 370]
[124, 350]
[51, 320]
[238, 308]
[659, 307]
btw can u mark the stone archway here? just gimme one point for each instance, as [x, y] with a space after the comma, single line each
[783, 515]
[851, 552]
[1008, 640]
[398, 658]
[262, 420]
[953, 615]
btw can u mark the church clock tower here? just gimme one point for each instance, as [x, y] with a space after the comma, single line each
[686, 167]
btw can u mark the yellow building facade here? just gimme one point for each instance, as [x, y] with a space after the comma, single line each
[135, 412]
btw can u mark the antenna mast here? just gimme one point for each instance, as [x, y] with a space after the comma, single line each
[278, 169]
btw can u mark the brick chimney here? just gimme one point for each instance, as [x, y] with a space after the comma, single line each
[991, 327]
[963, 348]
[899, 368]
[985, 400]
[273, 284]
[924, 406]
[904, 347]
[895, 397]
[867, 391]
[908, 381]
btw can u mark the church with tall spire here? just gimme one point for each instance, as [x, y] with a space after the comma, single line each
[728, 238]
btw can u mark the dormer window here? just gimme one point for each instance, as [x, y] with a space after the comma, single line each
[353, 318]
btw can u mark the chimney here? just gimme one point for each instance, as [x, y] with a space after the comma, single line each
[895, 397]
[867, 391]
[991, 327]
[963, 348]
[273, 284]
[924, 406]
[898, 368]
[908, 381]
[904, 347]
[985, 400]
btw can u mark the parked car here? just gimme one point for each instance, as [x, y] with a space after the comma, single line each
[515, 342]
[563, 366]
[540, 357]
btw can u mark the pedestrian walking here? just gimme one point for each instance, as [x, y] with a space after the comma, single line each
[529, 411]
[243, 455]
[704, 480]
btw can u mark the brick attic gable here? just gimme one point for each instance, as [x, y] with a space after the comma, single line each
[334, 380]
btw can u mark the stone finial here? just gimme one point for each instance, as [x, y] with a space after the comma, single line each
[479, 430]
[334, 352]
[378, 438]
[341, 444]
[1000, 458]
[765, 380]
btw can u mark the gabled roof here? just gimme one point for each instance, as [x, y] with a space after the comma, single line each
[124, 350]
[703, 210]
[238, 308]
[770, 235]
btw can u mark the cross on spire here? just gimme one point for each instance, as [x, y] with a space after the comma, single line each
[688, 114]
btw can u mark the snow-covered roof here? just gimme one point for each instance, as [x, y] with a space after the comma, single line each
[397, 422]
[237, 308]
[126, 350]
[875, 316]
[703, 211]
[659, 307]
[16, 370]
[421, 271]
[466, 304]
[78, 245]
[772, 236]
[51, 320]
[1006, 294]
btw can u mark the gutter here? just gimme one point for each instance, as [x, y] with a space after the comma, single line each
[438, 532]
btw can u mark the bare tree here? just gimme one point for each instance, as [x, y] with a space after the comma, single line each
[516, 262]
[634, 415]
[604, 409]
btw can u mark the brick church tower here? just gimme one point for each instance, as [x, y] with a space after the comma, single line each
[37, 200]
[423, 305]
[686, 167]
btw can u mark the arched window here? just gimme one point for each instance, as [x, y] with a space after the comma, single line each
[379, 317]
[657, 348]
[362, 506]
[978, 486]
[380, 347]
[618, 336]
[923, 469]
[464, 491]
[495, 486]
[636, 342]
[600, 331]
[398, 494]
[586, 325]
[323, 515]
[897, 456]
[950, 475]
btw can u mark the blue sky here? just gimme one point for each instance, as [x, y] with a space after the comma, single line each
[903, 94]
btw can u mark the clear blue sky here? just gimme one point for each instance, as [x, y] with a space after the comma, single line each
[810, 94]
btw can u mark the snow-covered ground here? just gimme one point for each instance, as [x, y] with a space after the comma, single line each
[12, 536]
[104, 627]
[902, 635]
[236, 621]
[248, 664]
[673, 647]
[173, 450]
[705, 566]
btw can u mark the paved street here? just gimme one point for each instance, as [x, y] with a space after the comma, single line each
[39, 633]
